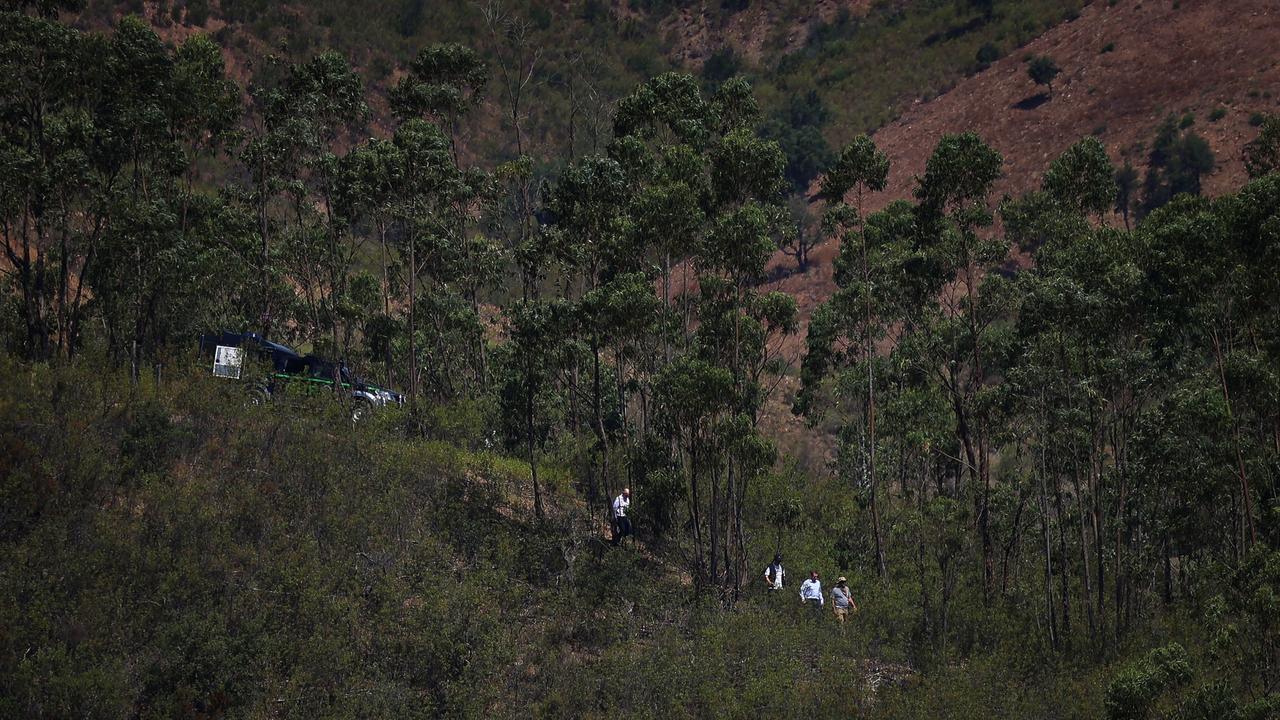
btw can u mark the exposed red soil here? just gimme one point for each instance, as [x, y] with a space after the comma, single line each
[1168, 58]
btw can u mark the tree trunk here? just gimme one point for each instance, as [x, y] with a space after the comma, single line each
[413, 299]
[869, 353]
[531, 442]
[1064, 576]
[1049, 617]
[1086, 588]
[1245, 492]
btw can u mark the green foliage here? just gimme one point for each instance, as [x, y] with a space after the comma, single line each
[860, 168]
[1179, 158]
[444, 82]
[798, 130]
[958, 176]
[987, 54]
[1209, 702]
[669, 103]
[1262, 154]
[1126, 190]
[1082, 178]
[1131, 693]
[106, 195]
[236, 573]
[720, 66]
[743, 167]
[1042, 70]
[1036, 472]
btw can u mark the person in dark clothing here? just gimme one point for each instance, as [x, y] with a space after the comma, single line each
[775, 575]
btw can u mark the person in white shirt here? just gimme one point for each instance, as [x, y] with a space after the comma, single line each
[811, 593]
[621, 523]
[774, 574]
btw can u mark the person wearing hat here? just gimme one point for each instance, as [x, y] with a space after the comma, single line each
[842, 601]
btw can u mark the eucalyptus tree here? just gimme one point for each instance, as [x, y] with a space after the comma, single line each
[703, 198]
[745, 219]
[589, 236]
[1082, 179]
[625, 314]
[736, 324]
[445, 82]
[538, 330]
[608, 218]
[44, 131]
[692, 397]
[538, 327]
[517, 58]
[668, 214]
[205, 112]
[1100, 268]
[953, 209]
[661, 133]
[104, 133]
[434, 201]
[1209, 271]
[163, 111]
[1084, 376]
[859, 310]
[370, 175]
[325, 102]
[300, 112]
[1142, 389]
[1216, 322]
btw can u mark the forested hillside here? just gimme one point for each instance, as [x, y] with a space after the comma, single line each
[847, 66]
[1053, 476]
[1113, 82]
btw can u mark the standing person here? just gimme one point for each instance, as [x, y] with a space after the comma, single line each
[774, 575]
[811, 593]
[842, 601]
[621, 523]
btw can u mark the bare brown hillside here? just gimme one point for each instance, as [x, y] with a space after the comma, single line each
[1168, 57]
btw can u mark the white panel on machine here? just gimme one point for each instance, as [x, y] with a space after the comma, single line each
[227, 362]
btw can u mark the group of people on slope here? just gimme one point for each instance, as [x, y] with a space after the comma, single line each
[811, 591]
[774, 575]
